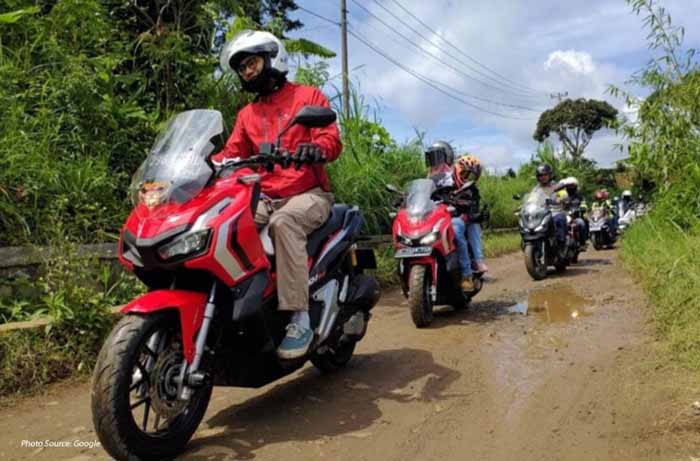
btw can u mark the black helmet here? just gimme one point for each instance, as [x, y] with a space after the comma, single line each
[440, 152]
[544, 169]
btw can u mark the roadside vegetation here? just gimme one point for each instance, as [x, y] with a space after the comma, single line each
[663, 249]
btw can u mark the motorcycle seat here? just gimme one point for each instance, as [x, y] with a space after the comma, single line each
[317, 238]
[334, 222]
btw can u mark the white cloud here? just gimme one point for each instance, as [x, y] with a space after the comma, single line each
[548, 45]
[572, 61]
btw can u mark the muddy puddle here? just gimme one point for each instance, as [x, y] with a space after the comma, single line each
[557, 304]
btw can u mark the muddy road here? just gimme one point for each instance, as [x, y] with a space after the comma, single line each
[552, 370]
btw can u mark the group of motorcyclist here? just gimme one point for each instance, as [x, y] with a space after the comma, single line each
[297, 201]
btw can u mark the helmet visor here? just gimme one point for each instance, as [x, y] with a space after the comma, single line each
[435, 157]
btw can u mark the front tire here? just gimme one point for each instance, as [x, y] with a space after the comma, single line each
[419, 296]
[132, 381]
[596, 238]
[534, 261]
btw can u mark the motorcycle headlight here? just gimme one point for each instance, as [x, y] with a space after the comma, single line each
[404, 240]
[429, 239]
[194, 242]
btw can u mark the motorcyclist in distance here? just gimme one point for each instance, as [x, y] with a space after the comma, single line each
[602, 200]
[546, 185]
[627, 202]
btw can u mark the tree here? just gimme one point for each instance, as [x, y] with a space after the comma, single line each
[575, 122]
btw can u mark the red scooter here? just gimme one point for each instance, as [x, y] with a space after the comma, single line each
[210, 316]
[428, 265]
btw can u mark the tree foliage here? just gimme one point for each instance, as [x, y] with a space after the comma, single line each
[86, 85]
[664, 141]
[575, 122]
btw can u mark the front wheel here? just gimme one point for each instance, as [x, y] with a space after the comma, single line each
[419, 296]
[535, 262]
[135, 408]
[597, 240]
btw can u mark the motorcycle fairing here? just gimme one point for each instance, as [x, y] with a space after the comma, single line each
[189, 305]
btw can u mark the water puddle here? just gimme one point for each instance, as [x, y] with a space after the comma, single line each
[556, 304]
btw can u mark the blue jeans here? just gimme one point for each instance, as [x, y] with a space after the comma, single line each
[465, 263]
[474, 237]
[583, 230]
[560, 229]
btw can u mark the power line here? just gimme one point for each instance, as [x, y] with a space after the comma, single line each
[427, 81]
[323, 18]
[460, 51]
[479, 98]
[437, 58]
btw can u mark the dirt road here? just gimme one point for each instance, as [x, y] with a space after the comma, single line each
[552, 370]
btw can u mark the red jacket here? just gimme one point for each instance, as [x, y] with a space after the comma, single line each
[262, 120]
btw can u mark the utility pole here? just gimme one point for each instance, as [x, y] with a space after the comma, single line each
[559, 96]
[344, 57]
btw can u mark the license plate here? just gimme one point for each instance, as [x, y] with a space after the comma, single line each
[413, 252]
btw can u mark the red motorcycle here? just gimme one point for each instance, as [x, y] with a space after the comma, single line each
[428, 265]
[210, 316]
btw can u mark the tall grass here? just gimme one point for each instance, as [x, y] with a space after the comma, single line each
[498, 193]
[665, 258]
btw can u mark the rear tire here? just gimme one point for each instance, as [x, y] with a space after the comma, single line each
[533, 261]
[419, 296]
[118, 364]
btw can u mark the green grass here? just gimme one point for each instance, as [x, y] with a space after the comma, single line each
[664, 258]
[499, 244]
[498, 193]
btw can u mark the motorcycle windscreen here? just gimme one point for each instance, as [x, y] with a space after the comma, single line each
[177, 169]
[537, 197]
[419, 201]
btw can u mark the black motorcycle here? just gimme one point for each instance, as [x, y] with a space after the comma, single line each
[539, 243]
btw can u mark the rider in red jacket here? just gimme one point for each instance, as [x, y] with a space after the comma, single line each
[261, 122]
[295, 201]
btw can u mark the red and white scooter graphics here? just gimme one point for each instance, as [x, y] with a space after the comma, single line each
[210, 316]
[428, 265]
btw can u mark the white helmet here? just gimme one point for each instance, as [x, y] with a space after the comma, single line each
[569, 182]
[254, 42]
[627, 193]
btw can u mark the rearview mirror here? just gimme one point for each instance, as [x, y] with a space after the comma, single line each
[310, 117]
[314, 117]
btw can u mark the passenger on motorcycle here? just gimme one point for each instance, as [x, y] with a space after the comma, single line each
[440, 158]
[466, 173]
[545, 182]
[573, 204]
[296, 201]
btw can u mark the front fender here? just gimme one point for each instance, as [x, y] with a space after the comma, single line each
[189, 305]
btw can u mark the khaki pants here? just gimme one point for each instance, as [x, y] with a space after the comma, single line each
[291, 220]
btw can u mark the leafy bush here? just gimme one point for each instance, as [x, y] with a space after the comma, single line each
[664, 146]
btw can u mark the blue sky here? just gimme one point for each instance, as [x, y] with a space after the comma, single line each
[542, 45]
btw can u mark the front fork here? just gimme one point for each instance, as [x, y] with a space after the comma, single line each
[190, 377]
[405, 270]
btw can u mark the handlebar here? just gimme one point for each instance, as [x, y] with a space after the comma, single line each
[266, 160]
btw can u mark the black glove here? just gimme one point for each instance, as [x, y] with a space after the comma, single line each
[308, 153]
